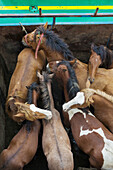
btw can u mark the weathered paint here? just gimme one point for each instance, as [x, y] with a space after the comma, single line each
[56, 7]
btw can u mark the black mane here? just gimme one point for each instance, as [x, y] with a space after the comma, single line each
[33, 86]
[72, 84]
[44, 93]
[105, 54]
[55, 43]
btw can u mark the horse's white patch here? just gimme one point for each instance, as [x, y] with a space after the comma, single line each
[78, 99]
[47, 66]
[107, 150]
[45, 112]
[24, 43]
[89, 113]
[58, 62]
[72, 112]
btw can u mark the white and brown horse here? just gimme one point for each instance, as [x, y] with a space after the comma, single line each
[90, 134]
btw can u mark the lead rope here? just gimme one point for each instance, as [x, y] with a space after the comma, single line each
[37, 48]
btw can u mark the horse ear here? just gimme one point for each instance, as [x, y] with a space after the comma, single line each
[45, 26]
[72, 62]
[92, 46]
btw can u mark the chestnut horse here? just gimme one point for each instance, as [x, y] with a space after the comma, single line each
[55, 141]
[100, 56]
[90, 134]
[53, 46]
[103, 80]
[24, 75]
[23, 146]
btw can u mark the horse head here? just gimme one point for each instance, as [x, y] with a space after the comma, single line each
[94, 62]
[54, 47]
[35, 38]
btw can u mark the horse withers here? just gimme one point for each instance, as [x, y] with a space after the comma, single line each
[100, 56]
[89, 133]
[55, 141]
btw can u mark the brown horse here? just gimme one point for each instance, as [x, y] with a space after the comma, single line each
[100, 56]
[54, 48]
[90, 134]
[24, 75]
[23, 146]
[103, 80]
[55, 142]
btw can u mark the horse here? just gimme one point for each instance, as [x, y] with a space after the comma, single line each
[101, 101]
[53, 46]
[89, 133]
[103, 80]
[55, 141]
[24, 75]
[23, 146]
[100, 56]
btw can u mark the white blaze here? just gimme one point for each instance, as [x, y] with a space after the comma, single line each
[107, 150]
[78, 99]
[45, 112]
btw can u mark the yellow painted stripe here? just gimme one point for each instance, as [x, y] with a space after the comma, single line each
[55, 7]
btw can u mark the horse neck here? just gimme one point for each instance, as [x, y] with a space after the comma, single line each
[81, 71]
[51, 54]
[50, 95]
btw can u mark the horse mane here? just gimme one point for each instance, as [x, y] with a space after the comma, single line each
[33, 86]
[105, 54]
[54, 42]
[45, 93]
[89, 92]
[72, 84]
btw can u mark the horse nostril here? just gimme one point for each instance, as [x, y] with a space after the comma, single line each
[91, 81]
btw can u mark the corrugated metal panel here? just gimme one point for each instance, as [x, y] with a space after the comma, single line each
[78, 12]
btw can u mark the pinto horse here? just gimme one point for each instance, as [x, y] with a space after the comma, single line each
[53, 46]
[55, 141]
[102, 102]
[24, 75]
[89, 133]
[23, 146]
[100, 56]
